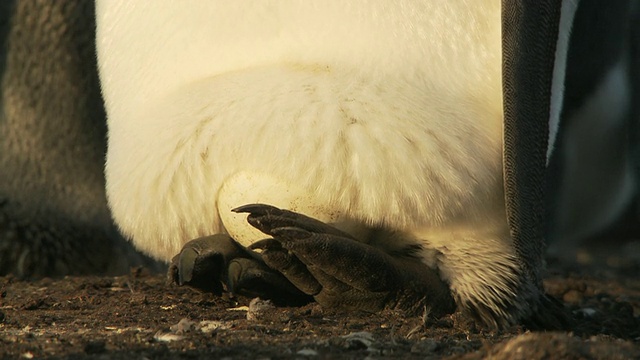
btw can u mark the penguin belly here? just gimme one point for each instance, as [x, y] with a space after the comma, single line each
[375, 115]
[353, 152]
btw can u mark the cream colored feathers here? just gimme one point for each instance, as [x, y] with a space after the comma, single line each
[386, 112]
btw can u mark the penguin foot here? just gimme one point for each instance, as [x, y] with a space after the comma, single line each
[216, 263]
[341, 272]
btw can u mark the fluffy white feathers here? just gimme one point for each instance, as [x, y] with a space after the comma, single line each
[388, 112]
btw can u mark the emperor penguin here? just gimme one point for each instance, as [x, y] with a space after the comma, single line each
[54, 218]
[368, 154]
[593, 170]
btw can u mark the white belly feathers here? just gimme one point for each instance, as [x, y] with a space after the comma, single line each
[373, 115]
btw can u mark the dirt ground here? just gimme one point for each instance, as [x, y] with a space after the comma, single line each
[138, 316]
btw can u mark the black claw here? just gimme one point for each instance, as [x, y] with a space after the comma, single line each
[186, 263]
[258, 209]
[266, 218]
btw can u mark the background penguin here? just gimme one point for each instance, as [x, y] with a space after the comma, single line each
[53, 214]
[384, 130]
[594, 178]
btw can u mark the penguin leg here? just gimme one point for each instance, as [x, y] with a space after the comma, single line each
[216, 262]
[341, 272]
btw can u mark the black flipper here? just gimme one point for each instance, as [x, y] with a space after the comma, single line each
[530, 31]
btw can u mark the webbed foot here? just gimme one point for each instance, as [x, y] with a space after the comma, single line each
[341, 272]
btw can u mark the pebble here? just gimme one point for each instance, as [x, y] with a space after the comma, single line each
[184, 326]
[359, 340]
[258, 307]
[166, 336]
[307, 352]
[572, 297]
[207, 326]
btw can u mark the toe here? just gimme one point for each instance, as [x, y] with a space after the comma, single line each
[201, 262]
[251, 278]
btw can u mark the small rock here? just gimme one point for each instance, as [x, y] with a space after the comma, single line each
[239, 308]
[587, 312]
[424, 346]
[184, 326]
[258, 307]
[359, 340]
[207, 326]
[307, 352]
[175, 332]
[166, 336]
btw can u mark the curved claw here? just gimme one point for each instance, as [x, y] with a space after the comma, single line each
[266, 218]
[258, 209]
[186, 263]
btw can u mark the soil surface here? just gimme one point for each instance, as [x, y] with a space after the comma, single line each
[139, 316]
